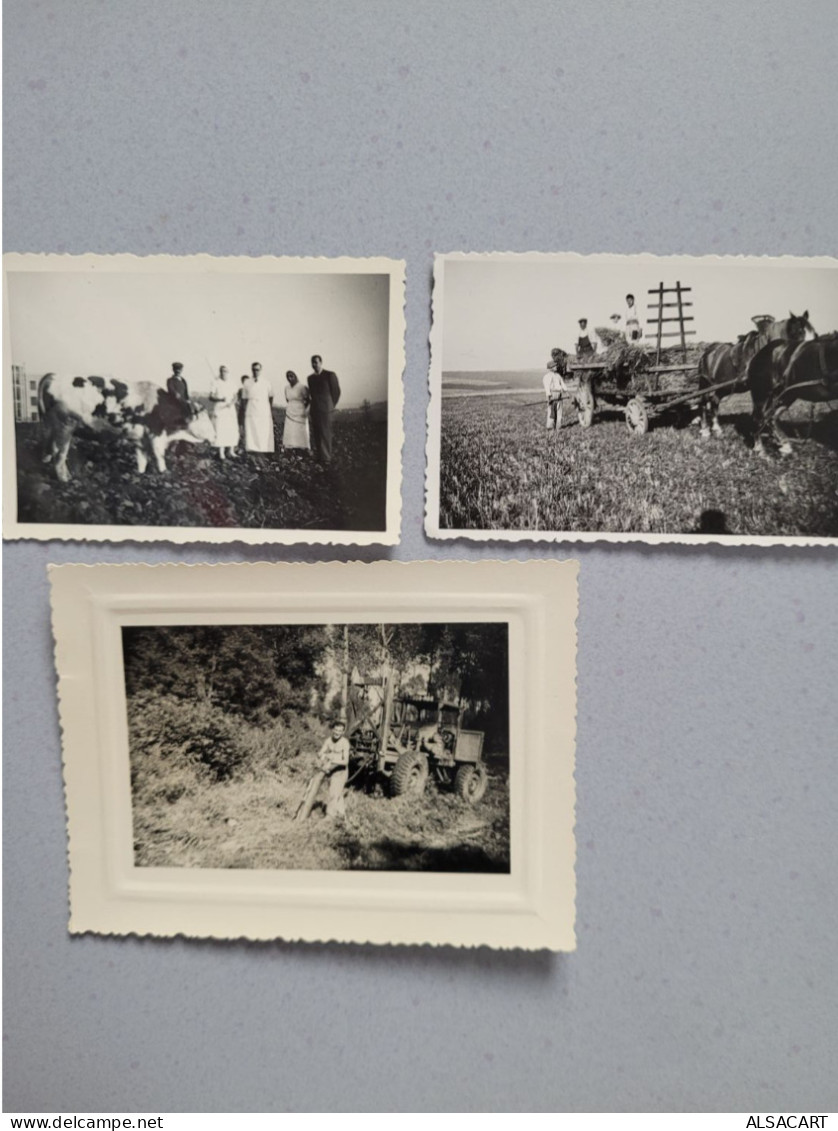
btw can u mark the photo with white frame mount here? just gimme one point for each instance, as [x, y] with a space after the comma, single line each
[361, 752]
[208, 399]
[685, 399]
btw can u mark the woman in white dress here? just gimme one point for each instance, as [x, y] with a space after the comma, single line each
[295, 432]
[258, 398]
[223, 396]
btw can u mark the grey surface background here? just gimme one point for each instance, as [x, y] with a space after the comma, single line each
[705, 972]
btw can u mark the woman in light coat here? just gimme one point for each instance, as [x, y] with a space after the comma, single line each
[295, 432]
[223, 397]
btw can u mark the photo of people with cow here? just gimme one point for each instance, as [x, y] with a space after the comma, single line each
[204, 399]
[320, 746]
[654, 398]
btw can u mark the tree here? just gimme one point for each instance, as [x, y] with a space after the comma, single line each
[259, 672]
[256, 671]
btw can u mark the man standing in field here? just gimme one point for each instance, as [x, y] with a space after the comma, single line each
[553, 386]
[177, 404]
[333, 760]
[324, 389]
[176, 384]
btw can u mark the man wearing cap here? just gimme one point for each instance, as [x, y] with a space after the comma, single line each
[176, 384]
[175, 407]
[587, 343]
[553, 387]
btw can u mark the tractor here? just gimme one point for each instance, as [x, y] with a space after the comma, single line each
[403, 740]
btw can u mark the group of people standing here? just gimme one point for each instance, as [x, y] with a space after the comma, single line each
[242, 411]
[628, 324]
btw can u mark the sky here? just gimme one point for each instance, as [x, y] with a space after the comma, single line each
[133, 326]
[509, 314]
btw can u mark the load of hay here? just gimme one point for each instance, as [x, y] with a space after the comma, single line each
[628, 364]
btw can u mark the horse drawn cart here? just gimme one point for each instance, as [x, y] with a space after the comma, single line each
[643, 382]
[643, 395]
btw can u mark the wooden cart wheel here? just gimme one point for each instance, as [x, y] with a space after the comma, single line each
[585, 405]
[637, 418]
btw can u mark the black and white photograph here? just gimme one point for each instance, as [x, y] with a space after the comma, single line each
[203, 399]
[619, 397]
[371, 752]
[361, 746]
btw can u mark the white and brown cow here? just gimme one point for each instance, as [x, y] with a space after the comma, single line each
[150, 416]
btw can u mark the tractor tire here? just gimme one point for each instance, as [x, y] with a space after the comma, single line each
[410, 774]
[471, 782]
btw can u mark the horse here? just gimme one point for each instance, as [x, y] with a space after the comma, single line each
[783, 372]
[726, 363]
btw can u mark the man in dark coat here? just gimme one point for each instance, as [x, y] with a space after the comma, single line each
[177, 402]
[176, 384]
[324, 389]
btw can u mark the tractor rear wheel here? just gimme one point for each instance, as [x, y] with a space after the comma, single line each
[410, 774]
[471, 782]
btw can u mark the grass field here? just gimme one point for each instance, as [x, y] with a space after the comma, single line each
[280, 491]
[184, 819]
[502, 470]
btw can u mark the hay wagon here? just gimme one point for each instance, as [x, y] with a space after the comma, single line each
[642, 396]
[643, 383]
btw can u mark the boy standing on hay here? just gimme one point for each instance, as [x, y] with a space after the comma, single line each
[634, 331]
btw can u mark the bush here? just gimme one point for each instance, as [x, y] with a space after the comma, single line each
[278, 743]
[167, 735]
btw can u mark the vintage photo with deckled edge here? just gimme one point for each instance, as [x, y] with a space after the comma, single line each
[378, 753]
[193, 398]
[656, 399]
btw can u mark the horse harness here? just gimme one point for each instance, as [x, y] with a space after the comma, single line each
[825, 372]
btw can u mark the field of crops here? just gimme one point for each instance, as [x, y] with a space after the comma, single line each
[502, 470]
[278, 491]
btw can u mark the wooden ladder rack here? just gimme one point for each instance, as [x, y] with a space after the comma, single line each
[659, 305]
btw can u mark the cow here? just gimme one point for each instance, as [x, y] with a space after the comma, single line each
[725, 364]
[148, 415]
[783, 372]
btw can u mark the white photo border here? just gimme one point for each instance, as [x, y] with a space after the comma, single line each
[393, 268]
[532, 907]
[434, 416]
